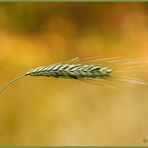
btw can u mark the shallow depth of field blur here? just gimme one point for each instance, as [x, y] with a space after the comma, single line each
[49, 111]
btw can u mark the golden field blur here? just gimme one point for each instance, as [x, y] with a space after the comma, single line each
[49, 111]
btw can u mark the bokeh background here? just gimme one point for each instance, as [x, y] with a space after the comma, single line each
[48, 111]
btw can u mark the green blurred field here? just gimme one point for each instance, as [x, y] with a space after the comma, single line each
[48, 111]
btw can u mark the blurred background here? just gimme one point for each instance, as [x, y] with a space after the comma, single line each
[49, 111]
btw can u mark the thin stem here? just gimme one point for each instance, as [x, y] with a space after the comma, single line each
[5, 86]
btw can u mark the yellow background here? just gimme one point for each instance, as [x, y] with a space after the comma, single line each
[49, 111]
